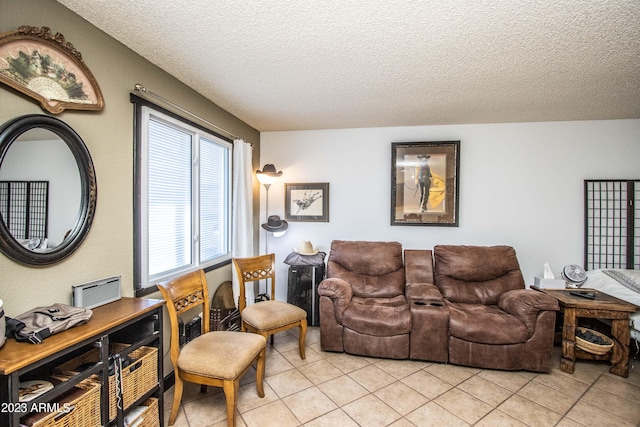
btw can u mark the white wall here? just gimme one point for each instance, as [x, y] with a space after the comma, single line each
[521, 184]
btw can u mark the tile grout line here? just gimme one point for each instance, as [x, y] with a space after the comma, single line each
[579, 399]
[495, 408]
[400, 375]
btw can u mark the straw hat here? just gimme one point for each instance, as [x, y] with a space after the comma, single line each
[305, 248]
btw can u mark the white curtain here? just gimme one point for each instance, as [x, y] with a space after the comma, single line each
[242, 210]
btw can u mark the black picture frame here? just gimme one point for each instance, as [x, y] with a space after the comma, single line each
[418, 168]
[306, 202]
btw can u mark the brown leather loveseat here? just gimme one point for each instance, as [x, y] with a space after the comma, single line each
[464, 305]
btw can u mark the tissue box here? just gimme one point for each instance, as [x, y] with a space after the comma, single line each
[544, 283]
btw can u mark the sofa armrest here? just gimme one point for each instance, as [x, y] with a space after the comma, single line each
[340, 293]
[423, 292]
[526, 304]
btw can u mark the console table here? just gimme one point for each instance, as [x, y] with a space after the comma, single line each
[603, 306]
[134, 321]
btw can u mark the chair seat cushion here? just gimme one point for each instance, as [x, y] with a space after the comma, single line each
[485, 324]
[268, 315]
[220, 354]
[381, 317]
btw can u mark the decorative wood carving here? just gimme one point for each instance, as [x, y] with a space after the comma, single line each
[257, 274]
[185, 303]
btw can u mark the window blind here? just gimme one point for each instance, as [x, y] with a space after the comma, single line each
[169, 197]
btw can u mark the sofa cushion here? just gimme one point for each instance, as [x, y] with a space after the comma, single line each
[485, 324]
[378, 316]
[373, 269]
[476, 274]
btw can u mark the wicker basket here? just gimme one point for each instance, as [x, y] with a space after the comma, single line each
[150, 417]
[84, 410]
[137, 378]
[136, 382]
[593, 348]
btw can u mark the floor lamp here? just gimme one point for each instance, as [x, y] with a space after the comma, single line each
[274, 224]
[267, 176]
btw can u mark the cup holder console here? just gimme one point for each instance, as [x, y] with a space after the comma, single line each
[430, 329]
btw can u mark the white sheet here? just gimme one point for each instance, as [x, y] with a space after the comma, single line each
[600, 280]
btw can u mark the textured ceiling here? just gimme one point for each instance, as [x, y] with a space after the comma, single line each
[287, 64]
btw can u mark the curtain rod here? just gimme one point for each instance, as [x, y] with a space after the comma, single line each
[140, 88]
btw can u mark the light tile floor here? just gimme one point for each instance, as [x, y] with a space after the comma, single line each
[341, 390]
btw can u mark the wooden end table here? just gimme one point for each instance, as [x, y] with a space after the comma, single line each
[604, 306]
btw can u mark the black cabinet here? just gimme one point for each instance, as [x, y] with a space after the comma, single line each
[302, 289]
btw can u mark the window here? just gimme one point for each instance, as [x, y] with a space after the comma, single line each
[612, 224]
[183, 197]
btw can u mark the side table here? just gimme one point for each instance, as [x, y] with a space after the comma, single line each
[302, 290]
[604, 306]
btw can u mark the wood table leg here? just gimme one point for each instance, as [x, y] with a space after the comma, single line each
[620, 352]
[567, 363]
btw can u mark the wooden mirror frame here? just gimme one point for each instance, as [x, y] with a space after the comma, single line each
[9, 132]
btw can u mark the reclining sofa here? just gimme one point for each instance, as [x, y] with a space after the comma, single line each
[464, 305]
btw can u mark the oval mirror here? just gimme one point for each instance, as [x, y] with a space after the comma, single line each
[48, 190]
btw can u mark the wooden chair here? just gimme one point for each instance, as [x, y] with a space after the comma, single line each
[218, 358]
[267, 317]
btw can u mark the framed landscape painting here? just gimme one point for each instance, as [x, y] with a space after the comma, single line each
[424, 183]
[306, 202]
